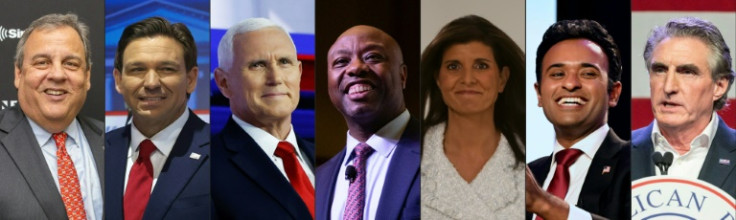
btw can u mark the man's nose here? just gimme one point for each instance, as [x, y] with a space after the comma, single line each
[357, 68]
[572, 82]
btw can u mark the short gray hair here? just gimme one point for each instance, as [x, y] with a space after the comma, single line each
[719, 60]
[52, 21]
[225, 49]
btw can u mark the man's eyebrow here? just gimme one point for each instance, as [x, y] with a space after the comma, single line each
[41, 55]
[590, 65]
[657, 65]
[554, 65]
[691, 67]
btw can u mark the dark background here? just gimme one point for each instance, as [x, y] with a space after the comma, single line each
[400, 19]
[20, 14]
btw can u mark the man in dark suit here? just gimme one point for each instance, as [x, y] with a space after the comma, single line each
[51, 158]
[366, 76]
[578, 70]
[689, 74]
[261, 168]
[157, 166]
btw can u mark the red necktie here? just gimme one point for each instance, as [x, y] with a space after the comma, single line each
[71, 195]
[356, 191]
[140, 180]
[561, 180]
[297, 177]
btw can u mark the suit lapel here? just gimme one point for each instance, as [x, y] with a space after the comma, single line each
[308, 150]
[23, 148]
[326, 189]
[596, 181]
[540, 169]
[723, 148]
[404, 169]
[179, 167]
[115, 160]
[249, 158]
[641, 151]
[96, 143]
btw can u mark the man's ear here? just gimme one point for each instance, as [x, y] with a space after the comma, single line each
[539, 95]
[221, 81]
[614, 95]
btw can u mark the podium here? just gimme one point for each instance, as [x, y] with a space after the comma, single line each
[667, 197]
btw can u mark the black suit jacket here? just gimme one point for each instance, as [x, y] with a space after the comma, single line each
[605, 195]
[182, 190]
[722, 175]
[245, 182]
[401, 190]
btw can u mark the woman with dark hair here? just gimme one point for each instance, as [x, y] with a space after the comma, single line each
[474, 133]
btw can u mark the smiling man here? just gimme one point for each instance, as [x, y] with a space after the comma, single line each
[50, 158]
[365, 78]
[157, 167]
[578, 69]
[260, 168]
[689, 73]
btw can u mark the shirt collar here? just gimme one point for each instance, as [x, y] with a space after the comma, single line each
[164, 139]
[385, 139]
[704, 139]
[590, 144]
[265, 140]
[43, 136]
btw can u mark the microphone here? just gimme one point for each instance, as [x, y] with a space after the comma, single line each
[350, 173]
[659, 162]
[667, 161]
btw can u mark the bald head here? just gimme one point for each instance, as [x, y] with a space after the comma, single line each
[365, 32]
[366, 78]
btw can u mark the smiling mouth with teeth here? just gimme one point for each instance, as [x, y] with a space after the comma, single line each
[357, 88]
[54, 92]
[571, 101]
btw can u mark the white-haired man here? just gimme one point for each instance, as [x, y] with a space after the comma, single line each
[261, 169]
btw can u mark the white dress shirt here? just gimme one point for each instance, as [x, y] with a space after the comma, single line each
[269, 143]
[578, 170]
[164, 141]
[384, 143]
[84, 162]
[689, 164]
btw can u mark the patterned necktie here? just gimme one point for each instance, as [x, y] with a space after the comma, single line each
[561, 180]
[356, 192]
[140, 180]
[297, 177]
[68, 180]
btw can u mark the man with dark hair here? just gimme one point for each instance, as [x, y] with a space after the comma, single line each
[158, 166]
[365, 78]
[690, 72]
[578, 72]
[51, 158]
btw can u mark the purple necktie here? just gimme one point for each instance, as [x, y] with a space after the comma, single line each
[356, 192]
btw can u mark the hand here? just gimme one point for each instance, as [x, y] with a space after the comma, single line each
[542, 203]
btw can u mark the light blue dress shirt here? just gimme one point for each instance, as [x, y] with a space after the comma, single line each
[81, 154]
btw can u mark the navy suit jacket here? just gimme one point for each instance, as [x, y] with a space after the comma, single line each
[607, 194]
[713, 172]
[182, 190]
[401, 189]
[245, 182]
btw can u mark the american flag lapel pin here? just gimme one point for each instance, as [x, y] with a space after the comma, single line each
[606, 169]
[724, 161]
[194, 156]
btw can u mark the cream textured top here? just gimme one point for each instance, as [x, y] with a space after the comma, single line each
[497, 192]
